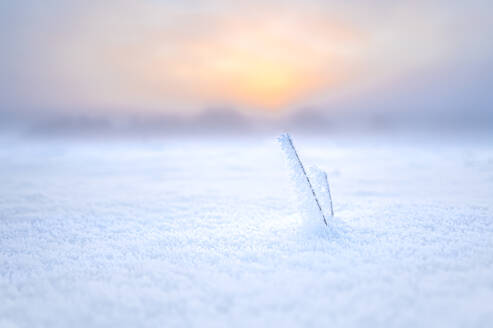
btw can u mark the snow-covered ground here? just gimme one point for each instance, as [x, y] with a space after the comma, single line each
[205, 232]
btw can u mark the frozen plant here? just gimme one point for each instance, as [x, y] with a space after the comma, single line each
[312, 188]
[320, 184]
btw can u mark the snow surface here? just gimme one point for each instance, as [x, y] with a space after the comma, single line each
[205, 233]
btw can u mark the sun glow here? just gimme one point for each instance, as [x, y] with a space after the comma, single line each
[263, 63]
[268, 67]
[267, 84]
[265, 79]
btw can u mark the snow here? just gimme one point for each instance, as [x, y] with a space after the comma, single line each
[205, 233]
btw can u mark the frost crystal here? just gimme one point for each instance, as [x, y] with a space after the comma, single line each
[313, 196]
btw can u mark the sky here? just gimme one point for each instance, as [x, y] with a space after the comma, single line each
[214, 63]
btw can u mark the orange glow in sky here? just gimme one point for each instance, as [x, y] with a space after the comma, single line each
[260, 65]
[170, 57]
[266, 67]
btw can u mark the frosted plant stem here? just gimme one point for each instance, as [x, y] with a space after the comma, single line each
[331, 205]
[330, 196]
[306, 177]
